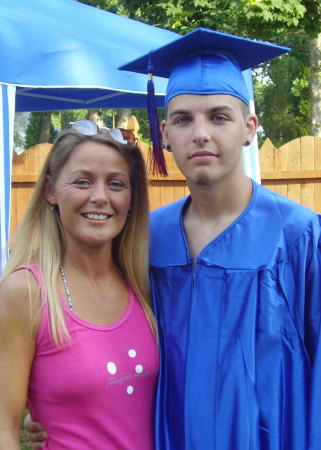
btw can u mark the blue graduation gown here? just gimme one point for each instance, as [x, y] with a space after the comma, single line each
[239, 330]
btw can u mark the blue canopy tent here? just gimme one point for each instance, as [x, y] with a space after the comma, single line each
[7, 100]
[64, 54]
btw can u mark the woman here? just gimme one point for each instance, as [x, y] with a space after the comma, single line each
[76, 329]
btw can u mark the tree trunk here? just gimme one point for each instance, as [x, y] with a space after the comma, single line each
[315, 62]
[94, 116]
[122, 118]
[44, 131]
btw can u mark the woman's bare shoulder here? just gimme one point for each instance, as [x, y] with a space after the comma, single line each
[19, 295]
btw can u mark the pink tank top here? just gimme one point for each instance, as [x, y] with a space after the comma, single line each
[96, 393]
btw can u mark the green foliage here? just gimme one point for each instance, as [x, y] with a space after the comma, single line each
[23, 440]
[283, 104]
[23, 437]
[32, 132]
[282, 99]
[255, 18]
[276, 113]
[109, 117]
[61, 119]
[142, 117]
[34, 128]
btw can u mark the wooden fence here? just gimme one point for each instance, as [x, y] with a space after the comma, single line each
[293, 170]
[25, 170]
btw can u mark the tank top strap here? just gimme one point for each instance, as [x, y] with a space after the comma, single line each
[36, 272]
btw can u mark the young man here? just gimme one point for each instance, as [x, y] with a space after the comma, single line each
[234, 270]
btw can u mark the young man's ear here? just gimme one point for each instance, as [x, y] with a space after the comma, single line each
[252, 123]
[163, 129]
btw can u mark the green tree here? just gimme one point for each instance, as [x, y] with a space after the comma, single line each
[288, 22]
[39, 129]
[282, 98]
[62, 119]
[256, 18]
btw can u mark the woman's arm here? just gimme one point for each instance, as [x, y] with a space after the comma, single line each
[17, 348]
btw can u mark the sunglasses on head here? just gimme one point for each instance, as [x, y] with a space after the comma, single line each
[89, 128]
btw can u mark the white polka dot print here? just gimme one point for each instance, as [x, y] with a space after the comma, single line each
[139, 368]
[132, 353]
[111, 367]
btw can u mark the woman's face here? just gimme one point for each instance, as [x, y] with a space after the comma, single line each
[93, 194]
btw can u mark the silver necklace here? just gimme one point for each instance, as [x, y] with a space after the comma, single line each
[64, 279]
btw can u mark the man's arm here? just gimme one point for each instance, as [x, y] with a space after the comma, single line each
[35, 433]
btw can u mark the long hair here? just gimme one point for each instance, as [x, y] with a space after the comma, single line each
[40, 236]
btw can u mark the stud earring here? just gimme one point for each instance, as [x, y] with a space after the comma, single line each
[168, 148]
[246, 143]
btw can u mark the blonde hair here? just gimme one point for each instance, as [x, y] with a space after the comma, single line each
[40, 236]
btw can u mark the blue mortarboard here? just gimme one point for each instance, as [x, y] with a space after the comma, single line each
[201, 62]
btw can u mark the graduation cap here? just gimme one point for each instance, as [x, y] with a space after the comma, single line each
[201, 62]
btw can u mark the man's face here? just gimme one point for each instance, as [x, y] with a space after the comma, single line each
[206, 133]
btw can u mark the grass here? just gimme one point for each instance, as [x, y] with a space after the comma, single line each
[23, 438]
[23, 441]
